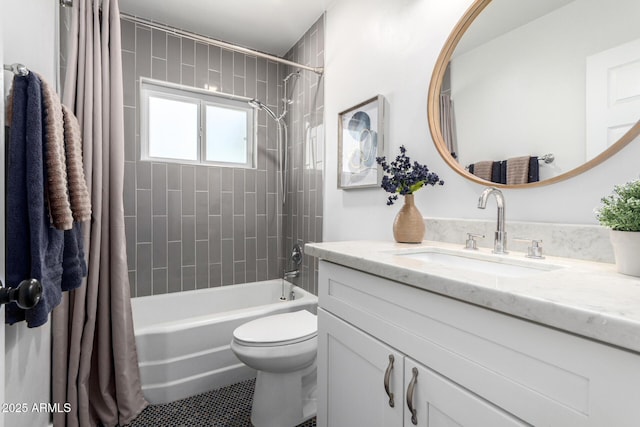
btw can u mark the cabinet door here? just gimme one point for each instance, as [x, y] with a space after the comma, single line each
[439, 402]
[352, 367]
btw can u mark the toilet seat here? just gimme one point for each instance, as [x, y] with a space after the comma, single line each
[278, 330]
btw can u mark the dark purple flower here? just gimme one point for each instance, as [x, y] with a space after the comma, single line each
[402, 177]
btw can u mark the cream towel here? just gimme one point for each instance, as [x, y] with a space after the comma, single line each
[483, 169]
[518, 170]
[78, 191]
[56, 190]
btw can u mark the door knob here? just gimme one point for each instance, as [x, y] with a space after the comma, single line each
[26, 295]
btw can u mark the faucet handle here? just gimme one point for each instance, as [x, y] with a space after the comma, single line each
[535, 250]
[471, 242]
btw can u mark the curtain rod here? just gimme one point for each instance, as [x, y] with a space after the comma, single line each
[225, 45]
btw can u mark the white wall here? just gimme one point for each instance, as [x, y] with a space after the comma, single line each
[531, 61]
[28, 37]
[389, 47]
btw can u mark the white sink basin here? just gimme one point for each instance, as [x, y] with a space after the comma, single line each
[482, 263]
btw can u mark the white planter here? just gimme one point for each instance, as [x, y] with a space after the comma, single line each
[626, 248]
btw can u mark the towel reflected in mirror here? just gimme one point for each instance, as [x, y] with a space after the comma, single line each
[513, 171]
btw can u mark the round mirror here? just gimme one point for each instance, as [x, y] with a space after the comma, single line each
[531, 92]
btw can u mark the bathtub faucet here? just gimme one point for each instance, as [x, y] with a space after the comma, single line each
[295, 259]
[291, 274]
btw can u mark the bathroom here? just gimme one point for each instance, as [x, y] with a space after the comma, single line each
[379, 47]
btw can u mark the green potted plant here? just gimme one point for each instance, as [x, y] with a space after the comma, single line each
[620, 212]
[402, 177]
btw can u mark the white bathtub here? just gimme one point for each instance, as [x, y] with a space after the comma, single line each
[183, 339]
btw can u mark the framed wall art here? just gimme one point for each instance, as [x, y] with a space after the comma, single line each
[360, 141]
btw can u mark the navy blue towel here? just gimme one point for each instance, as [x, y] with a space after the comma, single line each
[495, 172]
[35, 249]
[18, 264]
[499, 172]
[74, 266]
[534, 169]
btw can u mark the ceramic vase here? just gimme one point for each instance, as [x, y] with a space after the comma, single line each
[408, 227]
[626, 248]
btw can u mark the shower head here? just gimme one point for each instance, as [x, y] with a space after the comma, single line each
[260, 106]
[294, 74]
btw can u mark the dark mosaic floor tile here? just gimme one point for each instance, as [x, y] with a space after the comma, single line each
[225, 407]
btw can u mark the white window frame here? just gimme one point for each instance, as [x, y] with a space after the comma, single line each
[201, 97]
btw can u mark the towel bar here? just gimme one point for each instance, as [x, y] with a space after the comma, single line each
[547, 158]
[26, 295]
[17, 69]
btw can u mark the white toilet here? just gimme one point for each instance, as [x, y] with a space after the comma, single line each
[282, 348]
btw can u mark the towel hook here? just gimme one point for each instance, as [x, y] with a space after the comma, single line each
[26, 295]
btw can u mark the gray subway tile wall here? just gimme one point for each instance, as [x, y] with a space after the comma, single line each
[191, 227]
[303, 210]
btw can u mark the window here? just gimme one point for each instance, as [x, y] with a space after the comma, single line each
[226, 134]
[173, 128]
[187, 125]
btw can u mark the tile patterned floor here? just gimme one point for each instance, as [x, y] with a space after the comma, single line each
[226, 407]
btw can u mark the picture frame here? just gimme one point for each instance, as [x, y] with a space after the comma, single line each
[360, 141]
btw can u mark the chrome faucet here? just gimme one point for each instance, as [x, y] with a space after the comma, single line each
[291, 274]
[500, 242]
[295, 258]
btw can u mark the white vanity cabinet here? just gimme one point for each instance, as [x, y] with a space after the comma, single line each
[475, 366]
[439, 402]
[367, 383]
[353, 378]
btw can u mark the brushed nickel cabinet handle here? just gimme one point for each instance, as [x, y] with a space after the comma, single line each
[410, 390]
[387, 377]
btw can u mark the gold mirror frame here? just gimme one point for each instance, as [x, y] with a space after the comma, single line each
[433, 109]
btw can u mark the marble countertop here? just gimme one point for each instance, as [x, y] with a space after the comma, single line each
[585, 298]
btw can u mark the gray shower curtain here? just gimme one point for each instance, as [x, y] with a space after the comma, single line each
[448, 124]
[94, 358]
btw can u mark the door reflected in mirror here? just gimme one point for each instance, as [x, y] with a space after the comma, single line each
[518, 80]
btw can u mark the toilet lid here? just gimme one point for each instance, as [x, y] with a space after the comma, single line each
[279, 329]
